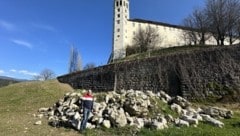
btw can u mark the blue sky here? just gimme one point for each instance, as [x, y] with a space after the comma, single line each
[38, 34]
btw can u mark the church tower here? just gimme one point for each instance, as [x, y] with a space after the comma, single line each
[121, 16]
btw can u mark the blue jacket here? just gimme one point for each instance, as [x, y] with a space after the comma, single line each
[87, 101]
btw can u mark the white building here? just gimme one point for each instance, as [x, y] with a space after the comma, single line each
[125, 29]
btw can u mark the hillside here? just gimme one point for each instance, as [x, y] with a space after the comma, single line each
[165, 52]
[7, 81]
[18, 103]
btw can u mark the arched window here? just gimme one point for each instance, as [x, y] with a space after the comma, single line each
[117, 3]
[120, 2]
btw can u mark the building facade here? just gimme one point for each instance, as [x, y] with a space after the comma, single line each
[125, 29]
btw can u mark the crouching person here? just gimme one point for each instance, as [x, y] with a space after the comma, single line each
[87, 106]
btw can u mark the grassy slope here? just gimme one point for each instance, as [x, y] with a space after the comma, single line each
[18, 103]
[165, 51]
[5, 82]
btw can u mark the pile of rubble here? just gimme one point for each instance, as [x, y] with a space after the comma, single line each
[118, 109]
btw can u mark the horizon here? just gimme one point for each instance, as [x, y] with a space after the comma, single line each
[38, 34]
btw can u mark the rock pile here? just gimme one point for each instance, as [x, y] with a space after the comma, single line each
[134, 108]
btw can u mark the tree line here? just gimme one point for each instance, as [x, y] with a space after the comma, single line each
[218, 18]
[75, 64]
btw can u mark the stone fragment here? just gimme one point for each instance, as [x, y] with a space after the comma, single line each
[177, 108]
[212, 121]
[106, 124]
[181, 123]
[38, 122]
[43, 110]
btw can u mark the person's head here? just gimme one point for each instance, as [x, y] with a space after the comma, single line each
[89, 92]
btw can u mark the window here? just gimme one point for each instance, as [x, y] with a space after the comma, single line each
[117, 3]
[123, 3]
[118, 9]
[118, 30]
[120, 2]
[118, 15]
[118, 21]
[127, 5]
[118, 36]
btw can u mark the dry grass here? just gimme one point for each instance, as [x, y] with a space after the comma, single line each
[19, 102]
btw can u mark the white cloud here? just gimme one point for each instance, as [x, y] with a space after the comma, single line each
[22, 43]
[2, 71]
[7, 25]
[13, 70]
[25, 72]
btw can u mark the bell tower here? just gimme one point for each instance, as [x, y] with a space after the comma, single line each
[120, 20]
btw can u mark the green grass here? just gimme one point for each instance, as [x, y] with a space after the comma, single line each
[164, 51]
[18, 103]
[231, 128]
[160, 107]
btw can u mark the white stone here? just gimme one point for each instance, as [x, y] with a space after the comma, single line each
[175, 107]
[77, 116]
[90, 126]
[38, 122]
[139, 122]
[181, 123]
[212, 121]
[43, 109]
[106, 123]
[158, 125]
[190, 120]
[40, 116]
[198, 117]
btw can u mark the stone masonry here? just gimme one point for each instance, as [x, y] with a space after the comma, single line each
[212, 72]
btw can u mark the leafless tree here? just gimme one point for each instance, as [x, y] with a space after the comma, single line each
[197, 23]
[190, 35]
[89, 66]
[46, 74]
[233, 19]
[75, 62]
[223, 16]
[219, 19]
[146, 39]
[216, 12]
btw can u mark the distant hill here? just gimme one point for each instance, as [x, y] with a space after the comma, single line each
[4, 80]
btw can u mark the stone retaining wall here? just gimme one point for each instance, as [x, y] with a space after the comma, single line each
[210, 72]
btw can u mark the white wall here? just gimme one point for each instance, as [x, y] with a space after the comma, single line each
[125, 30]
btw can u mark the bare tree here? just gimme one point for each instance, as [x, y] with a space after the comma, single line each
[197, 23]
[46, 74]
[221, 14]
[89, 66]
[75, 62]
[233, 19]
[190, 36]
[219, 19]
[146, 39]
